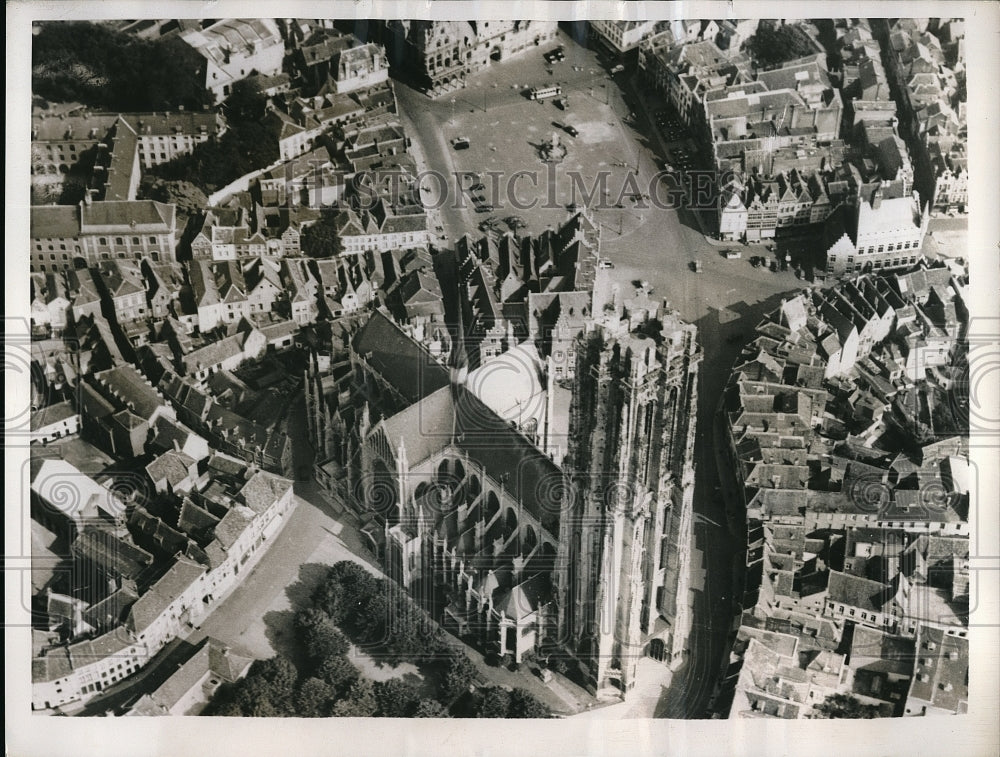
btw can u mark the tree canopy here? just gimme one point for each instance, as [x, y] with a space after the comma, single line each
[773, 44]
[845, 706]
[94, 64]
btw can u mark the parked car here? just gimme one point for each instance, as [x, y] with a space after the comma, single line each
[618, 69]
[732, 254]
[605, 264]
[571, 130]
[461, 143]
[696, 266]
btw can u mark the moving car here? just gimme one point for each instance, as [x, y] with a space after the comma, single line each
[697, 267]
[571, 130]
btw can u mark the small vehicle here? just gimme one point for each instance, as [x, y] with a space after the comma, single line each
[555, 56]
[562, 102]
[697, 267]
[461, 143]
[605, 264]
[618, 69]
[571, 130]
[732, 254]
[774, 266]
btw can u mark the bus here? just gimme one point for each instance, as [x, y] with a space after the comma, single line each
[543, 93]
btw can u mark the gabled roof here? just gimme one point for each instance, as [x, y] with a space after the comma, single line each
[154, 602]
[405, 364]
[263, 490]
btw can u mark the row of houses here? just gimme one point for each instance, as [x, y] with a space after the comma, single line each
[125, 629]
[857, 541]
[926, 60]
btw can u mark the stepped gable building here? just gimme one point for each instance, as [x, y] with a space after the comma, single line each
[514, 288]
[444, 53]
[876, 233]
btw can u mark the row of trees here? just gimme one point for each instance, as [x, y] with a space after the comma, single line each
[378, 615]
[94, 64]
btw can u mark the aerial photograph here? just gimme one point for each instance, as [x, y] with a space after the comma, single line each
[589, 370]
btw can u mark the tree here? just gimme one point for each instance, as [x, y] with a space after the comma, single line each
[524, 704]
[279, 672]
[265, 692]
[329, 597]
[396, 698]
[245, 102]
[320, 239]
[338, 672]
[459, 674]
[185, 195]
[494, 703]
[845, 706]
[314, 699]
[357, 585]
[430, 708]
[774, 44]
[319, 636]
[359, 702]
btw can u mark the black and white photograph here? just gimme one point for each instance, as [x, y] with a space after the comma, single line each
[627, 372]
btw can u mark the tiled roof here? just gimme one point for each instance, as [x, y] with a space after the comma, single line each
[170, 466]
[401, 361]
[131, 388]
[232, 526]
[112, 554]
[56, 413]
[55, 222]
[212, 354]
[121, 217]
[263, 490]
[941, 676]
[857, 592]
[112, 610]
[175, 581]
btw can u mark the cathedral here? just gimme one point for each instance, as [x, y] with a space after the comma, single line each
[567, 532]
